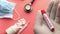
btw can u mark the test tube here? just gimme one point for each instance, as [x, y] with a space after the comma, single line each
[47, 20]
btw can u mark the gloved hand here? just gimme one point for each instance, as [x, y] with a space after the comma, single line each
[53, 12]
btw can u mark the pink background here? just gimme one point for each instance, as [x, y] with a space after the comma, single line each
[30, 17]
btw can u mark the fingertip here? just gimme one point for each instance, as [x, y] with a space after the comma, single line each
[39, 12]
[39, 18]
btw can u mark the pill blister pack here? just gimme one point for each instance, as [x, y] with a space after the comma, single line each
[19, 26]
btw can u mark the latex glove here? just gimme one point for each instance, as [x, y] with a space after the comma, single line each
[53, 11]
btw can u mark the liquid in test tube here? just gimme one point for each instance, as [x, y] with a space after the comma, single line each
[47, 20]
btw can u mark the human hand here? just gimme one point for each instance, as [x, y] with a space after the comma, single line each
[53, 11]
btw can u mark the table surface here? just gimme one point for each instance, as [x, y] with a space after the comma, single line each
[19, 13]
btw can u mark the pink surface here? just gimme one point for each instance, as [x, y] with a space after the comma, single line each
[30, 17]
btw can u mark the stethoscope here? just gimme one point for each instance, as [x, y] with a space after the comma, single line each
[28, 7]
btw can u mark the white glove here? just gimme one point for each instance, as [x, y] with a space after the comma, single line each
[53, 11]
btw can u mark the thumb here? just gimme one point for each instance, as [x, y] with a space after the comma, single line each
[39, 18]
[38, 22]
